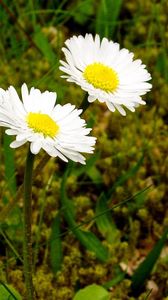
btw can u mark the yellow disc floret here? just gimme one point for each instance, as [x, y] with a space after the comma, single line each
[101, 77]
[42, 123]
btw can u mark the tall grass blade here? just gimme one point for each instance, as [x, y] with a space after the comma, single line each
[43, 44]
[148, 294]
[105, 222]
[143, 271]
[107, 16]
[10, 245]
[116, 280]
[162, 64]
[126, 201]
[56, 246]
[87, 239]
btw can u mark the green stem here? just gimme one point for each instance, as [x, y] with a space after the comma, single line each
[85, 103]
[27, 210]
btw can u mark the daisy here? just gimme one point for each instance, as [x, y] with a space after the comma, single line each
[106, 72]
[57, 129]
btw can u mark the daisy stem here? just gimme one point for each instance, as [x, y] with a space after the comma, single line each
[85, 103]
[27, 210]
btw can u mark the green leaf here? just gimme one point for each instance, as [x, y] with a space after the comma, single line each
[84, 239]
[145, 268]
[117, 279]
[107, 17]
[56, 246]
[7, 292]
[92, 243]
[44, 46]
[91, 292]
[87, 239]
[105, 222]
[9, 165]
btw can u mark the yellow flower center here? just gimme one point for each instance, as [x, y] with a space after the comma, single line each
[101, 77]
[42, 123]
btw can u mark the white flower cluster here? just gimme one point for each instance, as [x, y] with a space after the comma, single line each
[102, 69]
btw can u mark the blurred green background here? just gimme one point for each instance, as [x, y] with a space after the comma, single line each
[130, 156]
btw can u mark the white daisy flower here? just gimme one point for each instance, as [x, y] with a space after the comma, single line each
[106, 72]
[57, 129]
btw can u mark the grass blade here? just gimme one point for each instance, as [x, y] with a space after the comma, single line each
[116, 280]
[56, 246]
[87, 239]
[92, 243]
[10, 245]
[42, 43]
[105, 223]
[145, 268]
[148, 294]
[126, 201]
[161, 64]
[107, 17]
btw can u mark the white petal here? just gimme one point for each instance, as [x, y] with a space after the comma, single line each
[16, 144]
[131, 108]
[91, 98]
[110, 106]
[11, 131]
[35, 147]
[120, 109]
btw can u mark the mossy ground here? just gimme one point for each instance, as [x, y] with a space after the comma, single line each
[121, 141]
